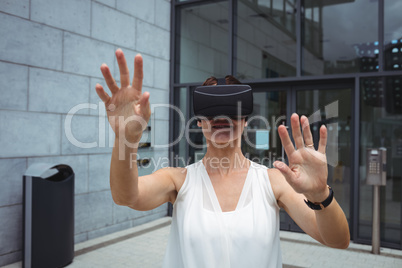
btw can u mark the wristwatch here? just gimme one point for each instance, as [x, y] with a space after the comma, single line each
[323, 204]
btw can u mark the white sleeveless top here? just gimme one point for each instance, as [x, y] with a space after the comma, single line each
[202, 235]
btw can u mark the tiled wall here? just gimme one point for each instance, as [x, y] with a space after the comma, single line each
[50, 54]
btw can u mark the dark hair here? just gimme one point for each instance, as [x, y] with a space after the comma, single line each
[230, 80]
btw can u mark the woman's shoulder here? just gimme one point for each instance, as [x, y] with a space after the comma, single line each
[274, 174]
[257, 165]
[179, 174]
[271, 182]
[176, 173]
[278, 182]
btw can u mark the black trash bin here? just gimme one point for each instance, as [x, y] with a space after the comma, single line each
[48, 216]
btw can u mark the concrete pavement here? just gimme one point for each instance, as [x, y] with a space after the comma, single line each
[144, 246]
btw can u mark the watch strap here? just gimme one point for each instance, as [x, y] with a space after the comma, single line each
[323, 204]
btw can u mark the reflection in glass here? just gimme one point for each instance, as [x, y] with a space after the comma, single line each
[392, 35]
[339, 36]
[202, 42]
[260, 141]
[332, 108]
[381, 126]
[266, 39]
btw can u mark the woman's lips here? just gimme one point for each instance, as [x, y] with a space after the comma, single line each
[221, 123]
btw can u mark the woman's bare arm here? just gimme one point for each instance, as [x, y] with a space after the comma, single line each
[144, 192]
[306, 178]
[128, 112]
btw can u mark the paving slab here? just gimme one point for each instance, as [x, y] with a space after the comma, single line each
[144, 246]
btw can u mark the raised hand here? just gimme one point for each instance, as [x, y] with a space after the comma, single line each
[307, 172]
[128, 109]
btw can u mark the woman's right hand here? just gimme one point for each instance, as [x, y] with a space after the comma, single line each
[128, 109]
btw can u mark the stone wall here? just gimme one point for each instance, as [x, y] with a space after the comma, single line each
[50, 54]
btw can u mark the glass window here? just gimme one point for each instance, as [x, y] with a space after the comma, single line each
[202, 40]
[179, 123]
[381, 126]
[266, 39]
[260, 141]
[392, 35]
[332, 108]
[197, 144]
[339, 36]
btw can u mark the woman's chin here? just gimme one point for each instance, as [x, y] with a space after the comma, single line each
[223, 142]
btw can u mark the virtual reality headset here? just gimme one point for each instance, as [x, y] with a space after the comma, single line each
[223, 100]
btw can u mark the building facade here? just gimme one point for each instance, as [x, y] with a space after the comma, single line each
[50, 57]
[337, 62]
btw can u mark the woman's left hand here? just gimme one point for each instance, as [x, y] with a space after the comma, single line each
[307, 172]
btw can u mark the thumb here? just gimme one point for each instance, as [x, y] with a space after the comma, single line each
[284, 169]
[144, 104]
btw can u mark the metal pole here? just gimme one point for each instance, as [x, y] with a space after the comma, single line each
[376, 220]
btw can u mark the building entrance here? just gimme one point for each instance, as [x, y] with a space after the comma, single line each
[323, 105]
[329, 104]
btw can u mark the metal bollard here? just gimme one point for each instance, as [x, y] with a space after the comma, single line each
[376, 220]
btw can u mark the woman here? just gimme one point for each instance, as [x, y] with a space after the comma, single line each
[226, 209]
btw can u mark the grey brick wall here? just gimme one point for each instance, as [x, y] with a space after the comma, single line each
[50, 54]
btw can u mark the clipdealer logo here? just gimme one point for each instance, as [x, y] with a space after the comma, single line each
[106, 135]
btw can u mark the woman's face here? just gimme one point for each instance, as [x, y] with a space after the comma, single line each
[222, 130]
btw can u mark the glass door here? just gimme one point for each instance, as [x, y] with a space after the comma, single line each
[329, 106]
[260, 141]
[273, 106]
[332, 108]
[381, 126]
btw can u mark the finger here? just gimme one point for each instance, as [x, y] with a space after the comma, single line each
[285, 170]
[101, 93]
[138, 73]
[296, 132]
[308, 137]
[124, 72]
[144, 104]
[286, 142]
[323, 139]
[111, 83]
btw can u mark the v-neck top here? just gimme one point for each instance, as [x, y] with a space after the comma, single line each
[202, 235]
[213, 197]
